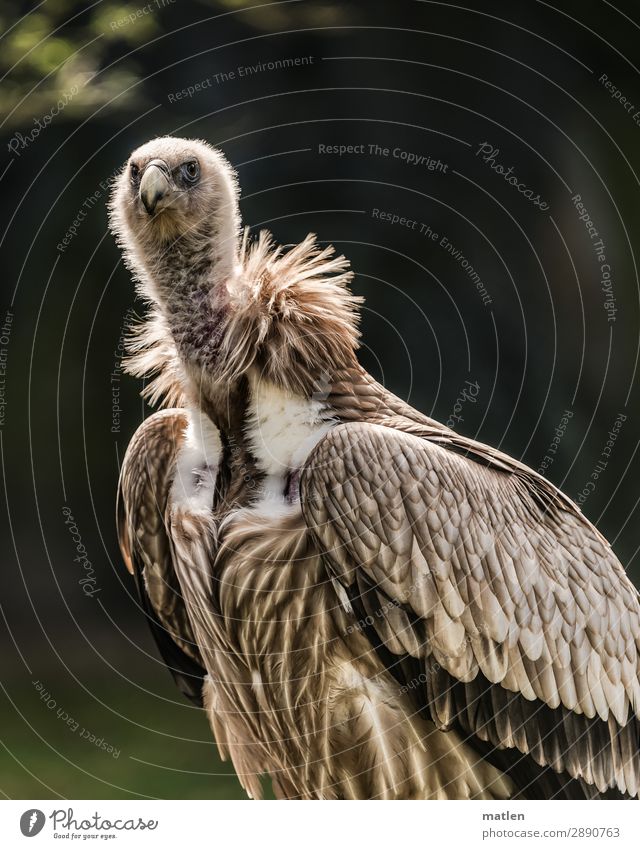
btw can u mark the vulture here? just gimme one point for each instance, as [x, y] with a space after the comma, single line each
[367, 604]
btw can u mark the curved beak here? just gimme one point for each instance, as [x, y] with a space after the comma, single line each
[155, 184]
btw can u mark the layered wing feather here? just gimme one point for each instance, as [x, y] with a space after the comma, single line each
[478, 573]
[145, 481]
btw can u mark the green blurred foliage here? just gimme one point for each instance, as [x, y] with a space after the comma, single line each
[62, 47]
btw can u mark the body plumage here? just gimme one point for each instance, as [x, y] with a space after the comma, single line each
[382, 608]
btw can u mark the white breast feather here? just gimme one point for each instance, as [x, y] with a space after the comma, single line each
[197, 465]
[283, 429]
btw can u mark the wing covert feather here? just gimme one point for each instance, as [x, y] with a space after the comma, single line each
[145, 479]
[511, 585]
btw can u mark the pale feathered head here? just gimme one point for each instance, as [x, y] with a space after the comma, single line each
[175, 192]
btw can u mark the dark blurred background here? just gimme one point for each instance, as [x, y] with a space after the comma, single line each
[508, 301]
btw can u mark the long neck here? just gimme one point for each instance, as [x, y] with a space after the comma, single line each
[189, 279]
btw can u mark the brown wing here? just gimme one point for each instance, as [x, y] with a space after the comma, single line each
[145, 480]
[518, 620]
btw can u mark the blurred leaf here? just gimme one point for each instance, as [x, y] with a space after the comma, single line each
[122, 22]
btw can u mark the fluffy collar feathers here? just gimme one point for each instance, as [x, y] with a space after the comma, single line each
[288, 314]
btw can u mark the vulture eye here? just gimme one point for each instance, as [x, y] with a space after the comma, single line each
[134, 171]
[191, 171]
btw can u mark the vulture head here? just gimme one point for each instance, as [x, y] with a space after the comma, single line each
[176, 195]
